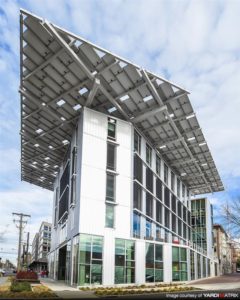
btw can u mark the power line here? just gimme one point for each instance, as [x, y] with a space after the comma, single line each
[20, 224]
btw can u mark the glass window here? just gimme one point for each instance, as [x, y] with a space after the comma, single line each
[158, 165]
[179, 264]
[183, 191]
[149, 179]
[165, 173]
[148, 229]
[148, 155]
[159, 212]
[124, 261]
[136, 225]
[110, 193]
[158, 188]
[111, 156]
[174, 203]
[111, 128]
[138, 168]
[167, 218]
[109, 216]
[154, 263]
[90, 259]
[173, 181]
[137, 196]
[137, 142]
[149, 205]
[167, 196]
[178, 187]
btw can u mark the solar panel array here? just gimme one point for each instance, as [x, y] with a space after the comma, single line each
[61, 73]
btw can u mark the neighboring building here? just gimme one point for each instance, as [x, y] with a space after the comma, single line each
[235, 247]
[222, 249]
[123, 152]
[40, 247]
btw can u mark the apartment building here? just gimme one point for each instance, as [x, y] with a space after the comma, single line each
[41, 247]
[223, 249]
[123, 152]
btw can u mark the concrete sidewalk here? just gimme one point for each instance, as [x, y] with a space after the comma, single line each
[224, 282]
[65, 291]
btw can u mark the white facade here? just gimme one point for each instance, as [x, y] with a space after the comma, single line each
[86, 213]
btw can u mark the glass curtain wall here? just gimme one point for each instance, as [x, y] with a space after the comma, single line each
[75, 257]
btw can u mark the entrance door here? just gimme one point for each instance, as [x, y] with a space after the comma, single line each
[62, 263]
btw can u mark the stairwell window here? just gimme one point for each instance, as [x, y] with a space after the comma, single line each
[111, 157]
[137, 143]
[112, 129]
[148, 155]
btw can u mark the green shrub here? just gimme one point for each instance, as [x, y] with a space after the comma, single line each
[20, 286]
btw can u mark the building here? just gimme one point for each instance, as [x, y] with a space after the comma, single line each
[223, 249]
[123, 152]
[40, 247]
[235, 247]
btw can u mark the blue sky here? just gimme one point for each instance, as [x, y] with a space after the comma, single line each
[195, 44]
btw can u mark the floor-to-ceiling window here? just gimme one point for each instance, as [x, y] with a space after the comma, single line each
[124, 261]
[179, 264]
[154, 262]
[90, 259]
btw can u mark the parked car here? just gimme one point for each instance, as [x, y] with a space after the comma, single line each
[2, 272]
[238, 269]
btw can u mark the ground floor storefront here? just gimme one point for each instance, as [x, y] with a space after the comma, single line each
[97, 260]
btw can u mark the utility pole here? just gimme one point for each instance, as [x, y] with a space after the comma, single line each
[27, 262]
[20, 224]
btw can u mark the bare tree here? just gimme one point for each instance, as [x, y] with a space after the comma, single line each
[230, 215]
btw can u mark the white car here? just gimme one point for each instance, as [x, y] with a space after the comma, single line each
[238, 269]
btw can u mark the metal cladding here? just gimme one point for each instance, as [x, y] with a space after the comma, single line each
[61, 73]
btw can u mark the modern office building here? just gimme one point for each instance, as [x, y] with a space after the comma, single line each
[123, 152]
[223, 249]
[41, 247]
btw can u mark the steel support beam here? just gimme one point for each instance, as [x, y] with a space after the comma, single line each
[148, 113]
[169, 141]
[93, 92]
[66, 46]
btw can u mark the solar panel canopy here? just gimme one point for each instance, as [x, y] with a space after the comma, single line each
[61, 73]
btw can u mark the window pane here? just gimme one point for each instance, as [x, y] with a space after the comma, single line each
[158, 165]
[96, 274]
[130, 250]
[149, 255]
[130, 275]
[148, 155]
[85, 249]
[137, 142]
[158, 188]
[165, 173]
[111, 156]
[111, 128]
[137, 196]
[136, 225]
[158, 275]
[183, 254]
[149, 275]
[84, 274]
[109, 215]
[167, 196]
[110, 188]
[158, 252]
[158, 212]
[137, 168]
[175, 254]
[97, 248]
[148, 229]
[149, 205]
[119, 275]
[149, 179]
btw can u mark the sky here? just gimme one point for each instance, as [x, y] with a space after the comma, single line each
[195, 44]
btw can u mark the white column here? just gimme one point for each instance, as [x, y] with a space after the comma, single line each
[108, 256]
[167, 258]
[140, 261]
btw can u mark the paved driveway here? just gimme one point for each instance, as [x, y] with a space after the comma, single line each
[224, 282]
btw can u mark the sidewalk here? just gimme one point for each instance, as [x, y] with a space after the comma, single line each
[65, 291]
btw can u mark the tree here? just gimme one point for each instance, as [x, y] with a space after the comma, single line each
[231, 216]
